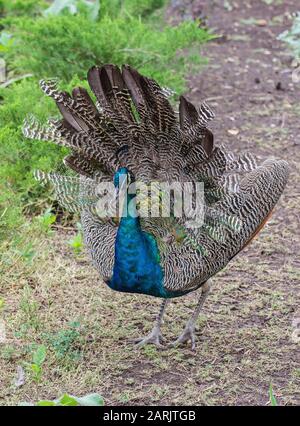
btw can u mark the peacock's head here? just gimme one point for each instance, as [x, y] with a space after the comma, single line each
[123, 177]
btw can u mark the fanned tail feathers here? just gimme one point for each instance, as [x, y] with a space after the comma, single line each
[132, 124]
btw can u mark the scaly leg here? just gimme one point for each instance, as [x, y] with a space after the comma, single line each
[189, 331]
[155, 336]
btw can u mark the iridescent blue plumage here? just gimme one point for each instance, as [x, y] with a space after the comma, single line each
[137, 266]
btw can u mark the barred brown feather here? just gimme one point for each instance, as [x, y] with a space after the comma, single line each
[133, 125]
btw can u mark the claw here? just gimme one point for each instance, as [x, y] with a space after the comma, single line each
[187, 335]
[153, 338]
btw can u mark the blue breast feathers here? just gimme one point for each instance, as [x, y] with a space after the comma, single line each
[137, 267]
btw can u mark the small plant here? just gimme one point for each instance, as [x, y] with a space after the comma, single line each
[66, 400]
[38, 358]
[76, 242]
[273, 399]
[66, 341]
[29, 308]
[27, 252]
[47, 219]
[8, 352]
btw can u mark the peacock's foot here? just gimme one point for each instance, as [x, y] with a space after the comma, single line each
[153, 338]
[187, 335]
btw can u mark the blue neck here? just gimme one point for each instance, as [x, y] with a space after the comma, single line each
[137, 266]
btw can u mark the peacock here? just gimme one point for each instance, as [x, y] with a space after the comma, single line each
[128, 140]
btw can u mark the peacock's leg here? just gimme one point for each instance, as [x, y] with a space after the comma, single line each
[189, 331]
[155, 336]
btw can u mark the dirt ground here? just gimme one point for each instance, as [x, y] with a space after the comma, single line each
[247, 333]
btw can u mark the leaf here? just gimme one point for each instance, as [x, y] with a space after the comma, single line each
[5, 38]
[39, 355]
[47, 219]
[36, 369]
[20, 379]
[272, 397]
[45, 403]
[67, 400]
[91, 400]
[76, 242]
[6, 41]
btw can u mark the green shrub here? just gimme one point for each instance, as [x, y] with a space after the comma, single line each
[19, 157]
[64, 46]
[21, 7]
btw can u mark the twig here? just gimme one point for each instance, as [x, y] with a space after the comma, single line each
[13, 80]
[65, 228]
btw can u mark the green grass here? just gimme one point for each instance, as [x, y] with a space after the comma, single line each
[239, 351]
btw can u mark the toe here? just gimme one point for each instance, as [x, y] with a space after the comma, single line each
[151, 339]
[185, 337]
[145, 342]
